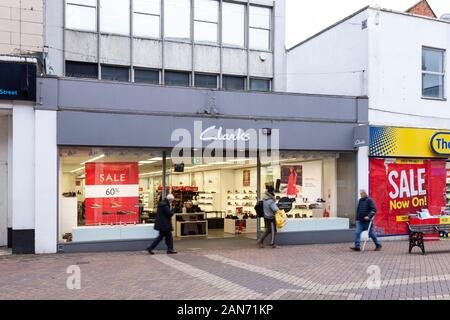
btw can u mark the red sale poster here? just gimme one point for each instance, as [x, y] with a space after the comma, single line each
[112, 193]
[403, 187]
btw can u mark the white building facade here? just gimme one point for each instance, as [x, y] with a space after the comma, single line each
[400, 62]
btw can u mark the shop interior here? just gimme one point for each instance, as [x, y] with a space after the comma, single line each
[213, 199]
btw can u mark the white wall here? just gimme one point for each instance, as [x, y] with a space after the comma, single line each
[46, 181]
[332, 62]
[4, 126]
[395, 64]
[23, 187]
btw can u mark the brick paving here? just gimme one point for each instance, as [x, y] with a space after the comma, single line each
[291, 272]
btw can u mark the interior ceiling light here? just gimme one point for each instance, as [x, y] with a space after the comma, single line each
[93, 159]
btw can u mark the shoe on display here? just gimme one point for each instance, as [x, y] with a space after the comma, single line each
[172, 252]
[355, 248]
[95, 206]
[378, 248]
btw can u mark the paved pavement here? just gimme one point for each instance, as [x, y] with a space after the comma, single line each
[291, 272]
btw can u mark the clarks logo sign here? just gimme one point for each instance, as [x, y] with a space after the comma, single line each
[213, 134]
[440, 143]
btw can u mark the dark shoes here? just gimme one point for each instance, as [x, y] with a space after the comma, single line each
[150, 251]
[260, 243]
[378, 248]
[355, 249]
[171, 252]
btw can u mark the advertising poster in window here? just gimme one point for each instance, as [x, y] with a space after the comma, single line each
[246, 178]
[112, 193]
[291, 180]
[403, 187]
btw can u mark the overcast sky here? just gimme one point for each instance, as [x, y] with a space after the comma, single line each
[307, 17]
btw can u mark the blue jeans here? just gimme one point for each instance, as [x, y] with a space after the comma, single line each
[363, 226]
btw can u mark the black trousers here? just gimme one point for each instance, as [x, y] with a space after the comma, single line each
[167, 235]
[271, 228]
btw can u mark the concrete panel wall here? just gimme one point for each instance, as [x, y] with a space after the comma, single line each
[115, 50]
[54, 37]
[81, 46]
[147, 53]
[261, 64]
[234, 61]
[207, 59]
[178, 56]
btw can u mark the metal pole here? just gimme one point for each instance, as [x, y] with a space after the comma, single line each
[163, 193]
[258, 192]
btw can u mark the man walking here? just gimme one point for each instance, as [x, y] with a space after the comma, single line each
[365, 213]
[163, 224]
[270, 208]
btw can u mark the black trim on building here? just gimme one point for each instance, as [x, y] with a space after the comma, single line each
[23, 241]
[9, 238]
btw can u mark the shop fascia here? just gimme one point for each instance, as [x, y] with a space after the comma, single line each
[214, 143]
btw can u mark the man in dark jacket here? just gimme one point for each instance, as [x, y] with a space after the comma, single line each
[365, 213]
[163, 224]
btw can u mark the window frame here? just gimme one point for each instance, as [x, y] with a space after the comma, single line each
[259, 78]
[189, 73]
[246, 84]
[244, 29]
[205, 74]
[434, 73]
[114, 66]
[81, 62]
[100, 31]
[270, 48]
[147, 69]
[134, 13]
[172, 38]
[68, 3]
[216, 23]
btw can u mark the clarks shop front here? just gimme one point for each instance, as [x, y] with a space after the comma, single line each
[215, 151]
[409, 172]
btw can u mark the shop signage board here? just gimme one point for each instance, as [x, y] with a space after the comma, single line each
[409, 142]
[17, 81]
[404, 187]
[112, 193]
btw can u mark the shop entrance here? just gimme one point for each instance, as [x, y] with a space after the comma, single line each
[112, 194]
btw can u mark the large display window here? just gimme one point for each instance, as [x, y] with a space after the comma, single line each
[112, 193]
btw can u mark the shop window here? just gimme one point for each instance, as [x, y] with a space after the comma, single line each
[206, 20]
[233, 24]
[81, 70]
[115, 73]
[260, 84]
[146, 76]
[233, 83]
[176, 78]
[206, 81]
[433, 73]
[108, 194]
[81, 15]
[259, 33]
[146, 18]
[115, 16]
[177, 19]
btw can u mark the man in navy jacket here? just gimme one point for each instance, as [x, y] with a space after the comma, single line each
[365, 213]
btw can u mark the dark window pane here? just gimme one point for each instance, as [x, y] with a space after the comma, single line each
[260, 85]
[233, 83]
[432, 60]
[432, 86]
[146, 76]
[173, 78]
[115, 73]
[81, 70]
[206, 81]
